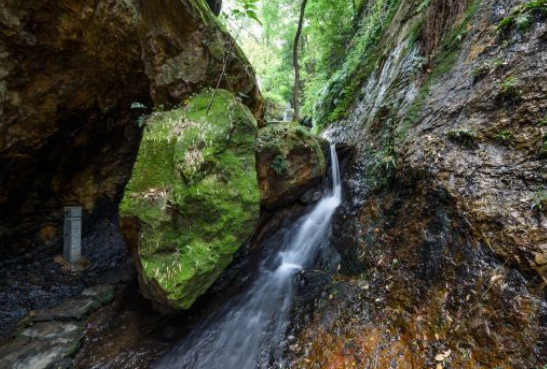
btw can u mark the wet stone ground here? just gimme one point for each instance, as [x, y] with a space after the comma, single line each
[49, 338]
[39, 280]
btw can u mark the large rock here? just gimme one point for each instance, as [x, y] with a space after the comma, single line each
[290, 160]
[70, 71]
[194, 189]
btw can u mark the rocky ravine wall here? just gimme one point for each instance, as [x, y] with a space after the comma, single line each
[77, 80]
[444, 234]
[70, 72]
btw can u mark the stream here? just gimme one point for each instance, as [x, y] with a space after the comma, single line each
[247, 331]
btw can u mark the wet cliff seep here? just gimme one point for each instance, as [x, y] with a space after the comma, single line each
[443, 236]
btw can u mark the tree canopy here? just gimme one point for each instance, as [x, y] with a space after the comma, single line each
[267, 36]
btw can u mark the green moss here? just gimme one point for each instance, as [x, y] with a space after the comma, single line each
[195, 189]
[282, 138]
[508, 90]
[200, 7]
[293, 153]
[415, 33]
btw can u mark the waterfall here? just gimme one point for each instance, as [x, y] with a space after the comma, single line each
[247, 329]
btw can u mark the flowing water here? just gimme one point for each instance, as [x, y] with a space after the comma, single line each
[249, 328]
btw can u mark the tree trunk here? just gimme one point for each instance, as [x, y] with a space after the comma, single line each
[296, 64]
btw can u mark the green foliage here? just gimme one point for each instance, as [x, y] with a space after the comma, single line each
[194, 188]
[539, 200]
[498, 62]
[246, 9]
[465, 137]
[508, 88]
[328, 36]
[522, 17]
[523, 21]
[280, 165]
[509, 84]
[542, 122]
[383, 165]
[504, 135]
[361, 58]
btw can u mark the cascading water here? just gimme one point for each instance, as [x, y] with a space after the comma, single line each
[247, 329]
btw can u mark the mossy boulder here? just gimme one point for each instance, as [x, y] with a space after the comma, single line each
[290, 160]
[194, 190]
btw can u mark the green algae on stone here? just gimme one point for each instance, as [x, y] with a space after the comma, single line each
[194, 188]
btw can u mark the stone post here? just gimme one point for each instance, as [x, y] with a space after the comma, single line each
[72, 245]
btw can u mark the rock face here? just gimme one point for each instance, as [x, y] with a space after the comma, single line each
[49, 338]
[70, 71]
[443, 242]
[194, 189]
[290, 160]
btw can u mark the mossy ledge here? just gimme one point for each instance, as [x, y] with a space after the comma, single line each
[290, 161]
[194, 189]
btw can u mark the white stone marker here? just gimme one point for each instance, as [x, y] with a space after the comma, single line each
[72, 246]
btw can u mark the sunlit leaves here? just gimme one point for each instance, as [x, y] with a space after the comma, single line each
[246, 9]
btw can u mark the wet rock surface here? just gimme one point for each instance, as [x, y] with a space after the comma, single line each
[50, 338]
[37, 281]
[74, 309]
[440, 238]
[290, 160]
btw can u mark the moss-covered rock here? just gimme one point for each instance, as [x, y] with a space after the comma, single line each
[194, 189]
[290, 160]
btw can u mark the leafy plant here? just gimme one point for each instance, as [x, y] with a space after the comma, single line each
[523, 21]
[509, 88]
[542, 122]
[539, 200]
[509, 84]
[246, 9]
[522, 17]
[279, 165]
[463, 136]
[498, 62]
[504, 135]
